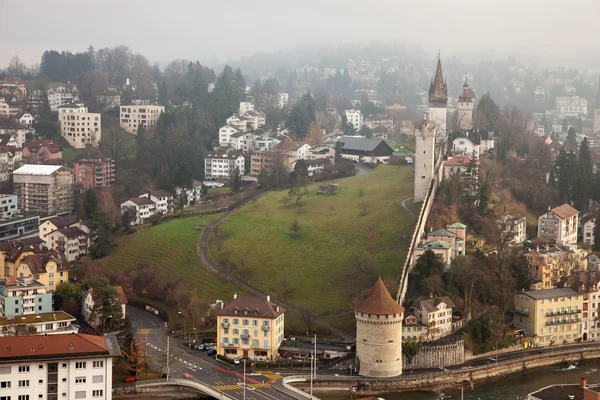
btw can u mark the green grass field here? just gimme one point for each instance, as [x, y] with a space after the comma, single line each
[172, 247]
[69, 154]
[339, 253]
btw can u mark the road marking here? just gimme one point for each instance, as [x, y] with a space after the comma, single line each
[147, 331]
[241, 386]
[273, 376]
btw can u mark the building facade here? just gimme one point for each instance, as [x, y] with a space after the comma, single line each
[64, 93]
[355, 118]
[93, 170]
[548, 265]
[438, 103]
[140, 209]
[78, 126]
[464, 108]
[23, 296]
[424, 159]
[251, 327]
[131, 117]
[163, 200]
[71, 243]
[44, 189]
[559, 224]
[379, 334]
[222, 165]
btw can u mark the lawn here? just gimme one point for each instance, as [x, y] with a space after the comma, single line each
[172, 247]
[339, 253]
[402, 145]
[69, 154]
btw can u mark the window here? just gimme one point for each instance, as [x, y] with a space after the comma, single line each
[24, 383]
[254, 322]
[40, 381]
[23, 397]
[4, 397]
[23, 368]
[64, 365]
[80, 394]
[80, 365]
[98, 364]
[80, 379]
[5, 385]
[97, 379]
[97, 393]
[245, 322]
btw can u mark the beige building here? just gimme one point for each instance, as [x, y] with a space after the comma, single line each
[78, 126]
[559, 224]
[44, 189]
[250, 327]
[379, 334]
[132, 117]
[435, 315]
[550, 316]
[549, 265]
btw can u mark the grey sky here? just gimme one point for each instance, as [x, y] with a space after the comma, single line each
[206, 30]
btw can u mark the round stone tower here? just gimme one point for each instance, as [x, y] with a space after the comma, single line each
[379, 334]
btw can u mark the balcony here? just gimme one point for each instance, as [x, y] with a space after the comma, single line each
[562, 312]
[244, 336]
[225, 325]
[230, 345]
[563, 321]
[522, 312]
[265, 328]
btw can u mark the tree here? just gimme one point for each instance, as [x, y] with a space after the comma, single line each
[90, 203]
[64, 292]
[366, 131]
[572, 138]
[127, 218]
[298, 191]
[585, 174]
[429, 264]
[235, 180]
[302, 115]
[295, 228]
[101, 237]
[117, 144]
[410, 350]
[315, 135]
[106, 301]
[131, 355]
[338, 152]
[364, 207]
[489, 109]
[300, 170]
[16, 67]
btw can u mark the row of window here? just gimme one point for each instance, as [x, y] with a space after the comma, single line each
[245, 322]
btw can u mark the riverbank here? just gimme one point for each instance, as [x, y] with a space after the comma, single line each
[447, 380]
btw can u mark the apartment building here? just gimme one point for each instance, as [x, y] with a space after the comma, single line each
[44, 323]
[355, 118]
[8, 205]
[56, 367]
[587, 284]
[44, 189]
[225, 133]
[251, 327]
[78, 126]
[16, 226]
[549, 316]
[15, 129]
[548, 265]
[559, 224]
[431, 319]
[588, 222]
[62, 94]
[22, 296]
[140, 209]
[222, 165]
[11, 158]
[70, 242]
[40, 151]
[131, 117]
[93, 170]
[48, 267]
[163, 199]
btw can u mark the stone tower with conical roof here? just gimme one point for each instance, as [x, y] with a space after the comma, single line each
[424, 158]
[438, 102]
[464, 108]
[597, 111]
[379, 334]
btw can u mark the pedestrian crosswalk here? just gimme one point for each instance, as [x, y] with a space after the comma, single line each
[240, 387]
[272, 376]
[147, 331]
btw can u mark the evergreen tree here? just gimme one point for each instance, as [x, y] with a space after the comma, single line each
[338, 152]
[224, 99]
[91, 203]
[301, 116]
[564, 176]
[106, 301]
[586, 173]
[240, 82]
[489, 109]
[101, 238]
[572, 138]
[140, 141]
[163, 96]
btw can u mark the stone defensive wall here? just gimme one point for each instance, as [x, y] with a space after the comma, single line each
[435, 356]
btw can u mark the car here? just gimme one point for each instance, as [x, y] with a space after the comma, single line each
[130, 379]
[236, 361]
[206, 347]
[212, 352]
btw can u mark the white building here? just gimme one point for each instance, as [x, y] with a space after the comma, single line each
[163, 200]
[64, 93]
[8, 205]
[71, 243]
[559, 224]
[471, 143]
[140, 209]
[243, 141]
[222, 165]
[265, 144]
[42, 323]
[25, 119]
[282, 100]
[78, 126]
[435, 316]
[515, 227]
[571, 106]
[246, 106]
[11, 158]
[61, 366]
[189, 196]
[131, 117]
[225, 133]
[314, 166]
[355, 118]
[588, 222]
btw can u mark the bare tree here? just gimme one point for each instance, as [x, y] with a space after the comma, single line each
[361, 192]
[298, 191]
[364, 207]
[285, 200]
[295, 228]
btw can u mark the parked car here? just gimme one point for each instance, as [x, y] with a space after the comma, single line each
[212, 352]
[236, 361]
[130, 379]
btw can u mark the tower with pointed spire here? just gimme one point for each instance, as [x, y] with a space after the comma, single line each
[597, 111]
[438, 101]
[379, 334]
[425, 138]
[464, 108]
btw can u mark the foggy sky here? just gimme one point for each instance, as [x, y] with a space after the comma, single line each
[550, 31]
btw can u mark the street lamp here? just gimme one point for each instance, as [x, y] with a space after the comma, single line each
[104, 325]
[182, 314]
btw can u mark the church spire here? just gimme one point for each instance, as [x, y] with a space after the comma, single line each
[437, 91]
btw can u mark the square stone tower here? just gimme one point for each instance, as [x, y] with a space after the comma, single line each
[424, 159]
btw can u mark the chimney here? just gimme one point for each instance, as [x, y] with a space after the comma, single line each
[268, 298]
[235, 296]
[583, 383]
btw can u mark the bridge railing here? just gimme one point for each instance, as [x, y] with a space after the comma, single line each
[206, 389]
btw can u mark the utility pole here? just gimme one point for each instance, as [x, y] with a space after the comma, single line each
[244, 379]
[315, 356]
[168, 358]
[311, 374]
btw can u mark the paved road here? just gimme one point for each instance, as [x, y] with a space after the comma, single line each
[197, 365]
[403, 204]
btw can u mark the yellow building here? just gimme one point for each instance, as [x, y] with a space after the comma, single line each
[548, 266]
[550, 316]
[250, 327]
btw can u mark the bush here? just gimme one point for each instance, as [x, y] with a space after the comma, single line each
[226, 359]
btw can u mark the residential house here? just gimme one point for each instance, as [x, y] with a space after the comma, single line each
[559, 224]
[438, 247]
[186, 197]
[265, 143]
[40, 151]
[407, 128]
[237, 122]
[447, 243]
[571, 106]
[549, 316]
[10, 106]
[8, 206]
[14, 85]
[593, 261]
[62, 94]
[139, 208]
[251, 327]
[53, 224]
[110, 99]
[314, 167]
[548, 265]
[131, 117]
[588, 223]
[243, 141]
[473, 143]
[23, 296]
[43, 323]
[48, 267]
[318, 152]
[245, 106]
[14, 128]
[433, 317]
[89, 306]
[44, 189]
[11, 158]
[163, 199]
[25, 118]
[355, 118]
[79, 127]
[64, 366]
[225, 133]
[71, 242]
[9, 140]
[93, 170]
[365, 150]
[514, 227]
[267, 161]
[222, 165]
[459, 165]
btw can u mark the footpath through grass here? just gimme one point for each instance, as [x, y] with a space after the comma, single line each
[172, 247]
[339, 252]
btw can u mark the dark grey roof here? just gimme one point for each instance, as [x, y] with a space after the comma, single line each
[432, 304]
[361, 144]
[550, 293]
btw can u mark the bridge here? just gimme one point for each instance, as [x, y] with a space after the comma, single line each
[201, 387]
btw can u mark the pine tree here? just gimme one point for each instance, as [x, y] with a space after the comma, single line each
[101, 238]
[91, 203]
[338, 152]
[585, 176]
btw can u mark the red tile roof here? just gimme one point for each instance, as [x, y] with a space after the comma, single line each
[251, 306]
[458, 162]
[380, 302]
[37, 346]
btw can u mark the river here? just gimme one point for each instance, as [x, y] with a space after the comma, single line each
[512, 387]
